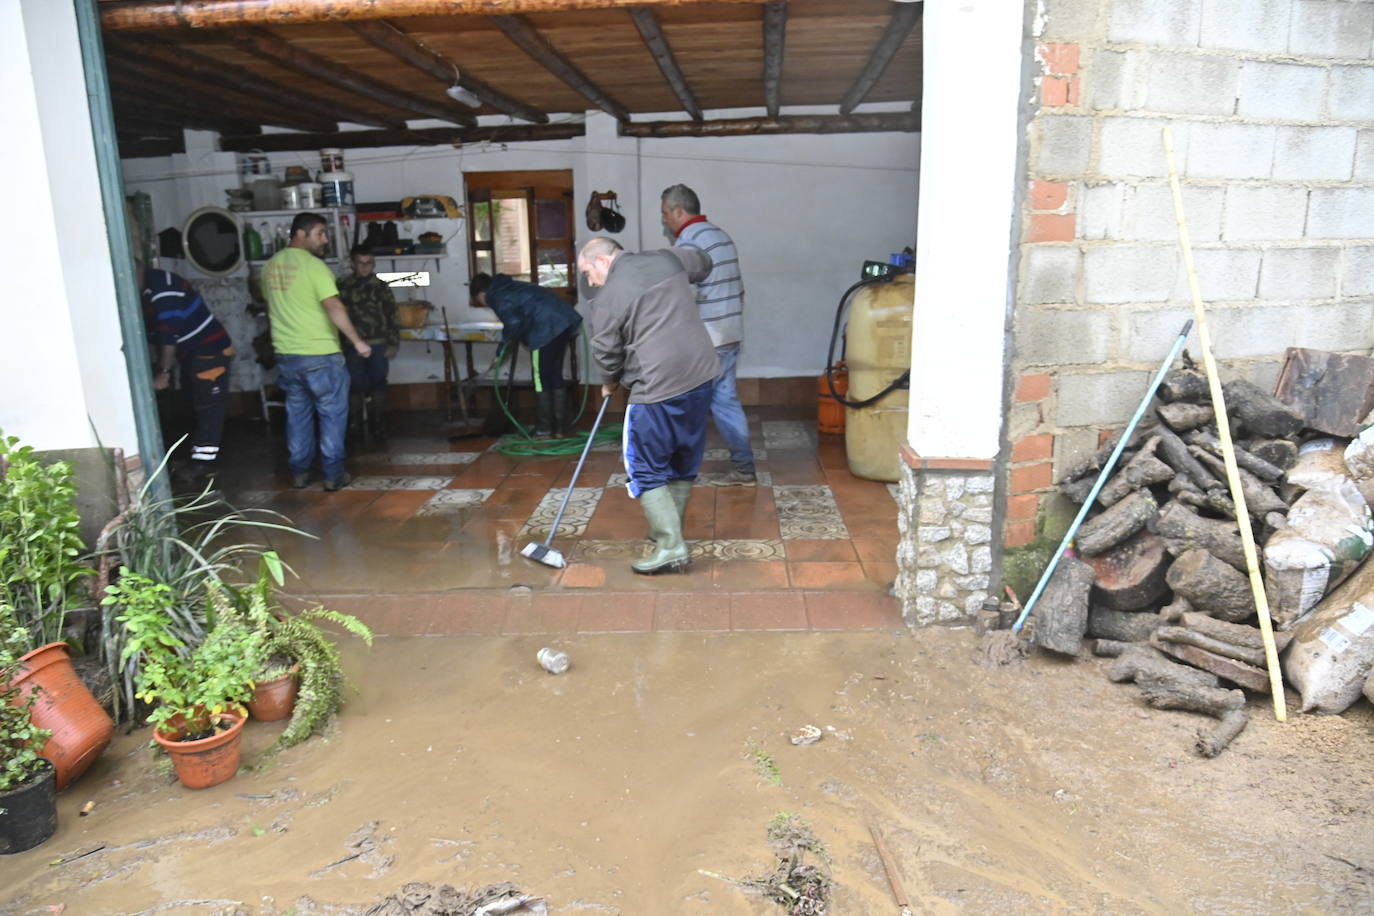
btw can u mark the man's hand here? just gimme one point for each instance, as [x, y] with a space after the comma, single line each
[363, 347]
[162, 381]
[609, 389]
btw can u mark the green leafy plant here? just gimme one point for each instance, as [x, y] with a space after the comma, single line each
[41, 574]
[20, 739]
[187, 690]
[763, 762]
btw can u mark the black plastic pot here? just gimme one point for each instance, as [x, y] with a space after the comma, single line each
[28, 814]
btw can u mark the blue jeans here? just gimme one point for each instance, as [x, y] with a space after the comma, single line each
[314, 386]
[368, 376]
[727, 411]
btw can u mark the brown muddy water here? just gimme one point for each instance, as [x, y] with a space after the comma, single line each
[1040, 788]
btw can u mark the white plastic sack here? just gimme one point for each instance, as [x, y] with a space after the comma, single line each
[1329, 532]
[1332, 653]
[1359, 454]
[1319, 460]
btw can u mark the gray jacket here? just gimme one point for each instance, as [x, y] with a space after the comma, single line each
[646, 330]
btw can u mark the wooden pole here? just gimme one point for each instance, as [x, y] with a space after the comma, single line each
[774, 37]
[652, 33]
[422, 136]
[1247, 534]
[904, 19]
[787, 124]
[528, 39]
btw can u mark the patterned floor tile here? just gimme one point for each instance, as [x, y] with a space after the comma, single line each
[740, 549]
[575, 518]
[601, 551]
[451, 500]
[723, 454]
[808, 512]
[789, 434]
[704, 479]
[422, 458]
[366, 482]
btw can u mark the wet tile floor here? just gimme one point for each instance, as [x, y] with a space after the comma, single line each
[427, 538]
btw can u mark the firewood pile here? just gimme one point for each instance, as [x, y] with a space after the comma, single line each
[1158, 578]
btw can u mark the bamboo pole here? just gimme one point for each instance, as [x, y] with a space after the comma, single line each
[1247, 534]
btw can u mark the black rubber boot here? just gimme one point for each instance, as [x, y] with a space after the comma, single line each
[543, 424]
[560, 412]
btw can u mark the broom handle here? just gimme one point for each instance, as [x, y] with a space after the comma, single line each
[1103, 475]
[1228, 451]
[577, 472]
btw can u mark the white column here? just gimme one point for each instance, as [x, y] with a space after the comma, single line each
[972, 76]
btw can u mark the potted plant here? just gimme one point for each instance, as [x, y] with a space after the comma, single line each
[28, 790]
[295, 648]
[41, 579]
[197, 697]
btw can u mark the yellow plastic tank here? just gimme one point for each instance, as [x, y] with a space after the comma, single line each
[878, 351]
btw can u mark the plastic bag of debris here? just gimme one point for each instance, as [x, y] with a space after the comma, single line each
[1359, 459]
[1332, 652]
[1329, 532]
[1319, 460]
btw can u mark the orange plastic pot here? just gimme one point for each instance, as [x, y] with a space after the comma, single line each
[830, 412]
[80, 728]
[207, 761]
[273, 700]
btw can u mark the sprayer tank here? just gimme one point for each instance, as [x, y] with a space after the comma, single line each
[877, 352]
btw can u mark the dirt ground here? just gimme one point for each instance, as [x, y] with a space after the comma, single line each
[1041, 788]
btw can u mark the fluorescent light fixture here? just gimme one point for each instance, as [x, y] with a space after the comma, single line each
[463, 96]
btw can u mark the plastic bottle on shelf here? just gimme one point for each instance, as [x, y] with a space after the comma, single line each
[252, 243]
[265, 232]
[280, 239]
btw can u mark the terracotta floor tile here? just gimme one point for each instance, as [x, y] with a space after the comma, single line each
[825, 575]
[852, 611]
[615, 528]
[801, 550]
[459, 613]
[476, 480]
[692, 611]
[883, 574]
[784, 610]
[543, 613]
[582, 575]
[618, 612]
[397, 505]
[876, 550]
[802, 477]
[750, 574]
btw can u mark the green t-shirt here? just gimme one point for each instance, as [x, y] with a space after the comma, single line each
[295, 283]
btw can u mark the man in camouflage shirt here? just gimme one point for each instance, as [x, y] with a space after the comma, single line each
[372, 309]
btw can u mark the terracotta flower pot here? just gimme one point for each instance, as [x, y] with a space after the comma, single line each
[273, 700]
[80, 727]
[28, 813]
[207, 761]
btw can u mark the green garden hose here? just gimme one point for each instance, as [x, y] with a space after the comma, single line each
[524, 445]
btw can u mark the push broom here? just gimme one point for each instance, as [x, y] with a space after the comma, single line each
[544, 553]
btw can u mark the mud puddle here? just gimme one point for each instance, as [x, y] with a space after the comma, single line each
[610, 790]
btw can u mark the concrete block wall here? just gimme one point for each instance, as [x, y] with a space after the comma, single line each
[1271, 107]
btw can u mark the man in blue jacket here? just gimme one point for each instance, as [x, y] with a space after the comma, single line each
[539, 319]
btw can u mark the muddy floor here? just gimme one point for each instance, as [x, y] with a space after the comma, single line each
[1041, 788]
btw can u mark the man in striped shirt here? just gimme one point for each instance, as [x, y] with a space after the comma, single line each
[720, 299]
[184, 332]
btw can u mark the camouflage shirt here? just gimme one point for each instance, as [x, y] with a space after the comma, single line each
[372, 309]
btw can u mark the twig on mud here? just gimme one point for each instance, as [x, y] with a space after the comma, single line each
[320, 871]
[1353, 865]
[79, 855]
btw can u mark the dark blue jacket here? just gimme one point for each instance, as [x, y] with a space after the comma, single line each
[531, 314]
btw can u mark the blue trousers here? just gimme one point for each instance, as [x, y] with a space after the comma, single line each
[665, 441]
[728, 413]
[367, 376]
[316, 388]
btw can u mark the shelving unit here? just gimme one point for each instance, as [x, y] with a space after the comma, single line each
[340, 228]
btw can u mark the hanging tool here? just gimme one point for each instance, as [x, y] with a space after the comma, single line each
[544, 553]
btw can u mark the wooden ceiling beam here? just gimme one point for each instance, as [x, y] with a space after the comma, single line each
[652, 33]
[279, 51]
[424, 136]
[126, 15]
[386, 36]
[905, 16]
[787, 124]
[128, 106]
[529, 40]
[138, 148]
[221, 73]
[774, 36]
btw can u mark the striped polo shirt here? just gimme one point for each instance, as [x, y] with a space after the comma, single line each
[720, 297]
[176, 314]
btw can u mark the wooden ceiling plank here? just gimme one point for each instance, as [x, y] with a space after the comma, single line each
[279, 51]
[774, 35]
[787, 124]
[389, 38]
[221, 73]
[424, 136]
[652, 33]
[529, 40]
[905, 16]
[128, 106]
[124, 15]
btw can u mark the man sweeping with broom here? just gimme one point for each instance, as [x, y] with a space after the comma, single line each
[647, 335]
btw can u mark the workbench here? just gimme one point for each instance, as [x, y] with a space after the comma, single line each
[458, 384]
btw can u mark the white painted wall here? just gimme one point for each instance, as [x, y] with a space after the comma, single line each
[61, 365]
[968, 168]
[805, 211]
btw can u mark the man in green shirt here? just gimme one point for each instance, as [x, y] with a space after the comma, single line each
[307, 317]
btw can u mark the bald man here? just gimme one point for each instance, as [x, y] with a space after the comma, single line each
[647, 335]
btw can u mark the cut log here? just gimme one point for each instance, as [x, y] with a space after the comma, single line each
[1184, 527]
[1077, 490]
[1145, 660]
[1174, 452]
[1122, 626]
[1109, 648]
[1211, 585]
[1181, 416]
[1259, 412]
[1174, 611]
[1184, 385]
[1184, 636]
[1260, 498]
[1237, 634]
[1281, 453]
[1142, 470]
[1252, 463]
[1214, 500]
[1061, 615]
[1117, 523]
[1332, 391]
[1130, 576]
[1214, 741]
[1094, 462]
[1163, 693]
[1247, 676]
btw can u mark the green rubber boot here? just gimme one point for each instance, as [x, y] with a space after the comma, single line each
[665, 527]
[682, 491]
